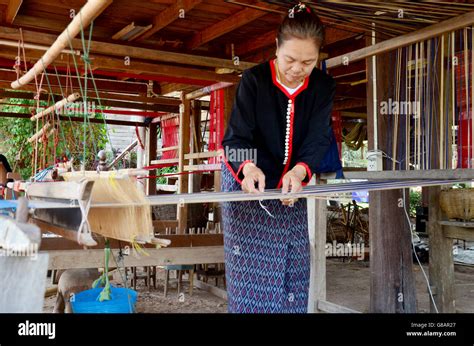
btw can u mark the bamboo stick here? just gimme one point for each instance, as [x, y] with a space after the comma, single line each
[58, 105]
[405, 40]
[39, 133]
[454, 153]
[466, 84]
[472, 90]
[82, 19]
[441, 109]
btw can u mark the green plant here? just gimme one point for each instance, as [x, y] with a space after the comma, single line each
[14, 134]
[165, 170]
[415, 201]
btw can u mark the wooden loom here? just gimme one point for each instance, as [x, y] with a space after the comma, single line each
[131, 223]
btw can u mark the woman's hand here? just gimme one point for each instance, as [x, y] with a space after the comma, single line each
[292, 179]
[253, 174]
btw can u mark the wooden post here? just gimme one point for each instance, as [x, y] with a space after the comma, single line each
[229, 95]
[317, 223]
[151, 155]
[184, 141]
[441, 265]
[392, 287]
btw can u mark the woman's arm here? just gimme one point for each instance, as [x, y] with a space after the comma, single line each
[239, 137]
[318, 140]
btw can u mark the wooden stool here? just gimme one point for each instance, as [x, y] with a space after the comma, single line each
[180, 270]
[149, 276]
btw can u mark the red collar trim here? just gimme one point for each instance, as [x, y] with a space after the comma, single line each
[282, 88]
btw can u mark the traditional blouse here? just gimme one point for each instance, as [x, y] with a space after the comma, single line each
[275, 129]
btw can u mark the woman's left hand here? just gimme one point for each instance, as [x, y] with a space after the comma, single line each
[292, 183]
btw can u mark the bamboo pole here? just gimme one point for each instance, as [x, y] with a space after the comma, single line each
[466, 84]
[58, 105]
[207, 90]
[39, 133]
[472, 91]
[82, 19]
[405, 40]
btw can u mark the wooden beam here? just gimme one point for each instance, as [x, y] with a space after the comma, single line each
[349, 104]
[441, 264]
[317, 220]
[184, 148]
[392, 285]
[88, 12]
[152, 147]
[122, 50]
[103, 86]
[445, 174]
[142, 70]
[254, 44]
[133, 102]
[68, 259]
[227, 25]
[12, 10]
[329, 307]
[124, 31]
[169, 15]
[180, 241]
[75, 119]
[218, 292]
[456, 232]
[405, 40]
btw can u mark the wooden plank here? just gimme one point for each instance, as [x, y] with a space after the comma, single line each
[441, 266]
[202, 155]
[460, 224]
[76, 119]
[60, 190]
[329, 307]
[447, 174]
[229, 24]
[66, 259]
[164, 161]
[12, 10]
[203, 167]
[140, 70]
[405, 40]
[317, 222]
[392, 285]
[184, 148]
[218, 292]
[169, 15]
[121, 50]
[179, 241]
[454, 232]
[151, 154]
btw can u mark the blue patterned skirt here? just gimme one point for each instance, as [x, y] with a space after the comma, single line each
[267, 259]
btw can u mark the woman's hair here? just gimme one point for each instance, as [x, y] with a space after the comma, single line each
[301, 22]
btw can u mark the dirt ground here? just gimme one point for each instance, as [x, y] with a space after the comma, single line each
[348, 284]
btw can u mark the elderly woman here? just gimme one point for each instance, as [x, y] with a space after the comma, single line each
[282, 112]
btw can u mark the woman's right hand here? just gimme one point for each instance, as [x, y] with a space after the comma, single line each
[253, 174]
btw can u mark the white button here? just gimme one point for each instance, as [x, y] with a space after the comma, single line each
[290, 101]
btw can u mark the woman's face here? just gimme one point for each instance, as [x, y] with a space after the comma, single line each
[296, 59]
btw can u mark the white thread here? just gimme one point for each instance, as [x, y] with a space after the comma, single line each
[265, 208]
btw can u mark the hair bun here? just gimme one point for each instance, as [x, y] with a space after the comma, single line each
[299, 7]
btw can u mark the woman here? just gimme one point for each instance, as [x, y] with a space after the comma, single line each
[282, 113]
